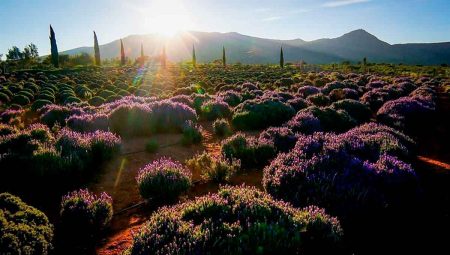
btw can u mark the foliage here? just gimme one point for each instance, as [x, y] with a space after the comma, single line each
[83, 213]
[163, 180]
[24, 229]
[237, 221]
[192, 133]
[213, 168]
[250, 151]
[221, 127]
[261, 113]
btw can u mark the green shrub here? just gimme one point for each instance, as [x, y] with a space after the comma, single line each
[215, 109]
[192, 133]
[4, 98]
[221, 127]
[250, 151]
[39, 103]
[21, 100]
[97, 101]
[23, 229]
[213, 168]
[152, 146]
[261, 113]
[357, 110]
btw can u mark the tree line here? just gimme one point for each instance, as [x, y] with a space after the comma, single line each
[29, 55]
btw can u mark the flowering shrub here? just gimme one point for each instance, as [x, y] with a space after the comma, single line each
[24, 229]
[335, 171]
[318, 100]
[88, 122]
[297, 103]
[232, 98]
[346, 93]
[55, 114]
[313, 119]
[131, 120]
[282, 138]
[163, 180]
[304, 122]
[192, 133]
[261, 113]
[375, 98]
[406, 113]
[338, 85]
[237, 221]
[214, 168]
[82, 212]
[40, 157]
[214, 109]
[250, 151]
[221, 127]
[7, 129]
[307, 91]
[170, 116]
[357, 110]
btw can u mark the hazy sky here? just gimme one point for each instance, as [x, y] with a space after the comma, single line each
[394, 21]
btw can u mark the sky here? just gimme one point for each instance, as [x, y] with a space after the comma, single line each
[394, 21]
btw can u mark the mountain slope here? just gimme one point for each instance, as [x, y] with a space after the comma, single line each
[353, 46]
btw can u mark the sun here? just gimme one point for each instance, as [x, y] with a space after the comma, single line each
[167, 17]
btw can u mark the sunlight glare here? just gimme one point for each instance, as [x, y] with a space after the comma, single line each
[167, 17]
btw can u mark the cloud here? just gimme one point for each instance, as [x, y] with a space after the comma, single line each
[273, 18]
[338, 3]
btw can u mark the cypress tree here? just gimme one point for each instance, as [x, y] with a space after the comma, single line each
[141, 59]
[224, 57]
[163, 57]
[194, 58]
[281, 58]
[122, 53]
[54, 48]
[96, 51]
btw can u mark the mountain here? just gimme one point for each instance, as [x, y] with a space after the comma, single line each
[353, 46]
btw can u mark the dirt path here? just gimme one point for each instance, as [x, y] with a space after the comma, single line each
[118, 180]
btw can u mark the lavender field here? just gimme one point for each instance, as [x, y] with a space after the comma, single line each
[161, 138]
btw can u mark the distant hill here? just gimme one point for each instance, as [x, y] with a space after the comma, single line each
[353, 46]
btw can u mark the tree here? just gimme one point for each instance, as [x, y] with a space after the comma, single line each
[141, 59]
[224, 57]
[96, 51]
[54, 48]
[122, 54]
[163, 57]
[14, 54]
[281, 58]
[194, 58]
[30, 52]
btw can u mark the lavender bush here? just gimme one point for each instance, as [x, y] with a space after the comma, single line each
[83, 213]
[261, 113]
[237, 221]
[250, 151]
[163, 180]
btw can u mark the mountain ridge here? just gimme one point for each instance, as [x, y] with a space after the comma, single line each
[352, 46]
